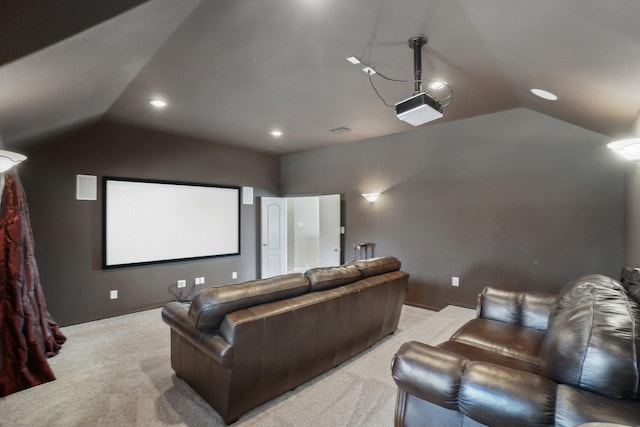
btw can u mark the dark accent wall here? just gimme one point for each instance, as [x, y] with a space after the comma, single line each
[68, 232]
[513, 199]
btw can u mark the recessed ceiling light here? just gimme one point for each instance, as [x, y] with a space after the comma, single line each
[353, 60]
[544, 94]
[436, 85]
[369, 71]
[276, 133]
[158, 103]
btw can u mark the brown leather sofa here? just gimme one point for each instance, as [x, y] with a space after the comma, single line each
[241, 345]
[530, 359]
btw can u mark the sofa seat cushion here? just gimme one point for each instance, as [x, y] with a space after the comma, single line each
[575, 406]
[502, 338]
[211, 305]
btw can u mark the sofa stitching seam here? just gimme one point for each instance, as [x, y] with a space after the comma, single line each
[584, 355]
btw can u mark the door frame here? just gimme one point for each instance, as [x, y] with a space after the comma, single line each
[284, 237]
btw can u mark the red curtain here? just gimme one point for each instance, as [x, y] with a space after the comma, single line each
[28, 333]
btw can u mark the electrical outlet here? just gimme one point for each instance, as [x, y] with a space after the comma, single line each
[182, 283]
[113, 294]
[455, 281]
[234, 275]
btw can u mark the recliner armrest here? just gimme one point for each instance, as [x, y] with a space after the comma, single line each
[429, 373]
[529, 309]
[487, 393]
[500, 396]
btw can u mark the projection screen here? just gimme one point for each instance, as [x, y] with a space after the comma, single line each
[147, 222]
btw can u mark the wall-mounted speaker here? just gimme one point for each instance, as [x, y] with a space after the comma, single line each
[247, 195]
[86, 187]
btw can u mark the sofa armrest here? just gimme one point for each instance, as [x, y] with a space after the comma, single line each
[488, 393]
[529, 309]
[496, 395]
[175, 314]
[429, 373]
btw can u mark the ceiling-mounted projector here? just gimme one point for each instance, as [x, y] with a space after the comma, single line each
[419, 109]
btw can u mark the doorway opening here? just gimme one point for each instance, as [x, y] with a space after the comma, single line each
[299, 233]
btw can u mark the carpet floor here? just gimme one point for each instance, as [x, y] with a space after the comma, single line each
[117, 372]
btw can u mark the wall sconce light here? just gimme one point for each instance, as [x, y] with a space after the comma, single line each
[9, 159]
[627, 148]
[371, 197]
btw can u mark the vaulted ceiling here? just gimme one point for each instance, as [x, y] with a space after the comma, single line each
[233, 70]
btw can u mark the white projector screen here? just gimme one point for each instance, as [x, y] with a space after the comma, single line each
[148, 222]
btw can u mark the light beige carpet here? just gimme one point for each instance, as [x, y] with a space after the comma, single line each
[117, 372]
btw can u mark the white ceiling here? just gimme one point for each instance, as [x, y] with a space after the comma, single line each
[232, 70]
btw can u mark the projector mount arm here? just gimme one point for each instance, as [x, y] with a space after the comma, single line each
[416, 43]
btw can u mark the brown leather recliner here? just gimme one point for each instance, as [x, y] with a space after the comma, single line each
[530, 359]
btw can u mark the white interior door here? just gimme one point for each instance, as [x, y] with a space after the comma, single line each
[273, 236]
[329, 251]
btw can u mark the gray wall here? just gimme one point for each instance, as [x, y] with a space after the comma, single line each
[67, 232]
[633, 216]
[514, 199]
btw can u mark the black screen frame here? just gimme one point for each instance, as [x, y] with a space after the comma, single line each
[175, 184]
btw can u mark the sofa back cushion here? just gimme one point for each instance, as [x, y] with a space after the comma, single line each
[323, 278]
[210, 306]
[374, 266]
[529, 309]
[631, 281]
[594, 338]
